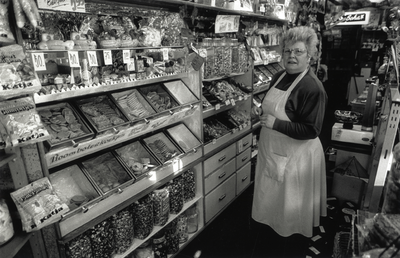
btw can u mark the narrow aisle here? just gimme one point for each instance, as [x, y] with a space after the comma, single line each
[235, 234]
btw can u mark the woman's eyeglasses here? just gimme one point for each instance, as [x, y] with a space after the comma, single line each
[296, 51]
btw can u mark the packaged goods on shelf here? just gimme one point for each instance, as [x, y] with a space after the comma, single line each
[38, 205]
[223, 90]
[213, 129]
[22, 122]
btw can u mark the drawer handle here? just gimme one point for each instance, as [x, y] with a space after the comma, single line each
[222, 197]
[222, 175]
[244, 178]
[245, 144]
[244, 158]
[222, 158]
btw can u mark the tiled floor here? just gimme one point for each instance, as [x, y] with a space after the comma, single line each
[235, 234]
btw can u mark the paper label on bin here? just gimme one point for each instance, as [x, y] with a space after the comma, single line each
[107, 57]
[39, 63]
[73, 59]
[92, 57]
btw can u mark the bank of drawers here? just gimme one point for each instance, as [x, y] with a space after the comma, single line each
[226, 174]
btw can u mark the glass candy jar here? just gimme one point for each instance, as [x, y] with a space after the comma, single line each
[209, 60]
[218, 57]
[235, 56]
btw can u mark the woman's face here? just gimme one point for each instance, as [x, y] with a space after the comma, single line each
[295, 58]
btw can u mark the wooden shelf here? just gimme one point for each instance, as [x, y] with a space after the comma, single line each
[11, 248]
[7, 158]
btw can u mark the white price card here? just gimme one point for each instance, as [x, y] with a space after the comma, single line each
[246, 97]
[107, 57]
[240, 98]
[39, 64]
[233, 102]
[212, 2]
[165, 53]
[240, 145]
[131, 65]
[217, 106]
[126, 56]
[73, 57]
[92, 58]
[227, 102]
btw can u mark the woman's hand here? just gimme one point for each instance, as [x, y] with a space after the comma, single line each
[267, 121]
[257, 111]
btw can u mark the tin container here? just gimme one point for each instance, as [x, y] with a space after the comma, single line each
[137, 158]
[65, 125]
[106, 172]
[102, 113]
[184, 137]
[181, 92]
[158, 97]
[162, 147]
[133, 104]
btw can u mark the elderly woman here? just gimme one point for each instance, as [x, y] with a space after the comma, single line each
[290, 180]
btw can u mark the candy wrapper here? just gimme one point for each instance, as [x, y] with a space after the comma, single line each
[38, 205]
[22, 122]
[17, 76]
[149, 37]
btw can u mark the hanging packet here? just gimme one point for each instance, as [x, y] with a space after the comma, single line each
[38, 205]
[22, 122]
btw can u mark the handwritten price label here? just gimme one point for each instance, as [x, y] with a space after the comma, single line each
[39, 64]
[92, 57]
[126, 56]
[197, 62]
[131, 65]
[73, 59]
[107, 57]
[165, 53]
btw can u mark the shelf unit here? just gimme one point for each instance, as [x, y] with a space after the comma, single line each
[239, 142]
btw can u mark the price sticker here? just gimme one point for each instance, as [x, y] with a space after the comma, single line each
[107, 57]
[265, 62]
[39, 64]
[234, 130]
[233, 102]
[203, 52]
[197, 62]
[246, 97]
[165, 53]
[321, 228]
[126, 56]
[241, 127]
[217, 106]
[73, 59]
[240, 98]
[240, 145]
[92, 57]
[131, 65]
[227, 102]
[214, 141]
[212, 2]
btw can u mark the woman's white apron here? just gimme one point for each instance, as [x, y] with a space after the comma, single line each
[290, 179]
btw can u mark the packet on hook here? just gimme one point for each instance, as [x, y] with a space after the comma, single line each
[22, 122]
[38, 205]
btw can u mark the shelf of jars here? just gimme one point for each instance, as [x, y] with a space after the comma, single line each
[138, 242]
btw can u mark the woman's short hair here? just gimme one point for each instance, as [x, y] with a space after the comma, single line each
[304, 34]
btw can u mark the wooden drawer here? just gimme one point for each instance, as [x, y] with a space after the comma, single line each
[243, 158]
[243, 178]
[219, 159]
[219, 176]
[244, 143]
[220, 197]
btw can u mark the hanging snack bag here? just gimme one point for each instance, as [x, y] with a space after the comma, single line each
[17, 75]
[38, 205]
[22, 122]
